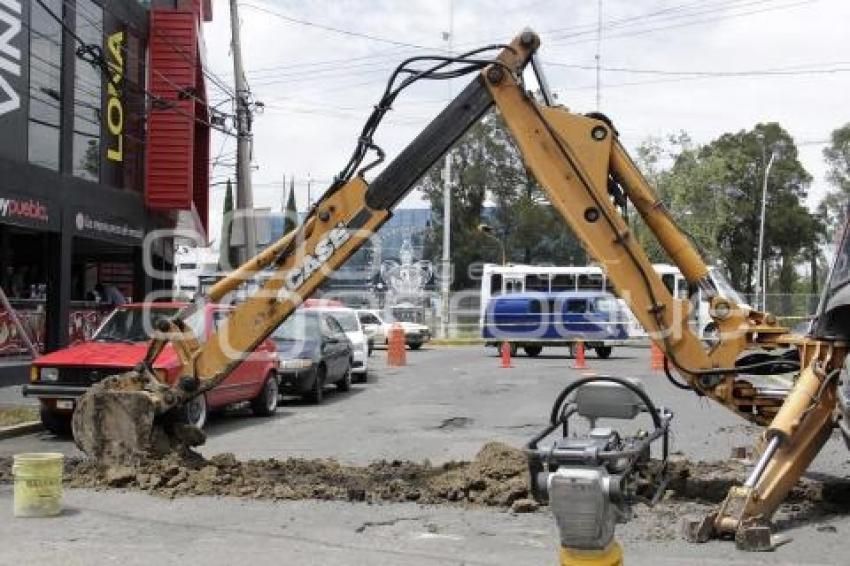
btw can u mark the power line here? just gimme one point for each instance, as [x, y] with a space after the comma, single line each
[93, 54]
[685, 23]
[334, 29]
[781, 71]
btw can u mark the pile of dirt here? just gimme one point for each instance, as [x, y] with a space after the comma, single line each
[498, 476]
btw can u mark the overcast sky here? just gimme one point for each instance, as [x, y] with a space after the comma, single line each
[319, 85]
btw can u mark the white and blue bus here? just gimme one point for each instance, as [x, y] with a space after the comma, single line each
[499, 280]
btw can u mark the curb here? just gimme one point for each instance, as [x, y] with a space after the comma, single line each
[20, 429]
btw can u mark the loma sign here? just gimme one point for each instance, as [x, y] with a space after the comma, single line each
[10, 56]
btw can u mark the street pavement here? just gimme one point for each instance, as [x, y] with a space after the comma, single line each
[444, 405]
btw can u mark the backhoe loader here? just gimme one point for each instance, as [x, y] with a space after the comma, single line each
[590, 179]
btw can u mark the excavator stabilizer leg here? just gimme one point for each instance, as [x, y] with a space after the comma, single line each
[793, 439]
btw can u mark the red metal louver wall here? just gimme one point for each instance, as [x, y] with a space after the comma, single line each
[177, 173]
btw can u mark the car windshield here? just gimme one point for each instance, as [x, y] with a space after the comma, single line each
[406, 315]
[137, 324]
[346, 319]
[297, 327]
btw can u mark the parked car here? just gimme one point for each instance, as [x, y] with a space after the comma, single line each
[377, 326]
[532, 320]
[59, 378]
[314, 351]
[347, 319]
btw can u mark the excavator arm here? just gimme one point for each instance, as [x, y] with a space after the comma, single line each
[587, 175]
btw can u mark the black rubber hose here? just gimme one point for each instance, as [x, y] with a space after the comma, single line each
[676, 383]
[559, 400]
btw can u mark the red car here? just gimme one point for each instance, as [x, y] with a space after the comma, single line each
[58, 378]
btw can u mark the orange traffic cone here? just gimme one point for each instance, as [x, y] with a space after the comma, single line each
[657, 358]
[396, 353]
[580, 362]
[506, 355]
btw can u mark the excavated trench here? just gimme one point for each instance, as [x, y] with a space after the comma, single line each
[497, 477]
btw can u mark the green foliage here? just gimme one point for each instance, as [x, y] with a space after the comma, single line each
[834, 205]
[226, 250]
[714, 192]
[487, 171]
[290, 218]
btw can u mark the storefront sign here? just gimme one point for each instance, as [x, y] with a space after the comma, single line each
[114, 105]
[109, 228]
[26, 212]
[10, 55]
[13, 79]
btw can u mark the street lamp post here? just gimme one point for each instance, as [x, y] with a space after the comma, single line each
[488, 231]
[761, 289]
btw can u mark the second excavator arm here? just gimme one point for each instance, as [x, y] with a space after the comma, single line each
[587, 174]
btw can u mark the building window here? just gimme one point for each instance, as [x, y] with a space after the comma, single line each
[87, 94]
[45, 84]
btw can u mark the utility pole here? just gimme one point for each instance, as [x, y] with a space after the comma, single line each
[445, 280]
[760, 289]
[244, 141]
[599, 55]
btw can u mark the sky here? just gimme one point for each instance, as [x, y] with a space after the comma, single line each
[704, 67]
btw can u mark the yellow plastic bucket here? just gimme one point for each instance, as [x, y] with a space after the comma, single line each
[38, 484]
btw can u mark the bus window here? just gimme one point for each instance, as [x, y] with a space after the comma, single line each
[577, 306]
[670, 282]
[537, 282]
[682, 291]
[590, 282]
[609, 286]
[513, 285]
[495, 284]
[564, 282]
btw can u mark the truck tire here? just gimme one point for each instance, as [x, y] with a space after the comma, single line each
[56, 422]
[265, 403]
[533, 351]
[415, 345]
[603, 352]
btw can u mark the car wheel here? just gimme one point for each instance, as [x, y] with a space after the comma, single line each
[265, 404]
[316, 394]
[344, 384]
[603, 352]
[415, 346]
[195, 411]
[533, 351]
[56, 422]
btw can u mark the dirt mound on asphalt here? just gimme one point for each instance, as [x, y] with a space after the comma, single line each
[497, 477]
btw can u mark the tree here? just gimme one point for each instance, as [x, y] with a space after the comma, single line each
[290, 215]
[491, 185]
[834, 205]
[228, 255]
[714, 193]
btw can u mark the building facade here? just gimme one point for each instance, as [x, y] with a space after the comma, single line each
[93, 96]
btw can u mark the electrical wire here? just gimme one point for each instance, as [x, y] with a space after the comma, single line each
[93, 54]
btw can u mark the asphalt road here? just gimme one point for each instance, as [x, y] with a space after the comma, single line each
[444, 405]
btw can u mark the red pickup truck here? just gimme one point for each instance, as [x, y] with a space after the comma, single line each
[58, 378]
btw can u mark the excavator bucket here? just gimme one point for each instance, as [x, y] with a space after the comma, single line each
[118, 422]
[113, 423]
